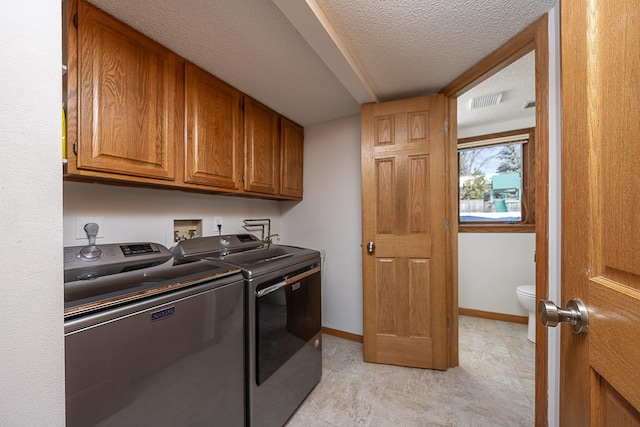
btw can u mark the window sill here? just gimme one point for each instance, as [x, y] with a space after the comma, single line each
[496, 228]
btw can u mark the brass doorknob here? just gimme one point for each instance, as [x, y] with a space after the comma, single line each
[575, 314]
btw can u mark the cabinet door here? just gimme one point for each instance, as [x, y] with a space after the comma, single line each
[262, 148]
[291, 160]
[214, 149]
[127, 87]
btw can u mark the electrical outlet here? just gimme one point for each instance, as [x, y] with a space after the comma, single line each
[82, 220]
[217, 222]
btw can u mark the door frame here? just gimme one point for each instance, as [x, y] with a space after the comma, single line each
[536, 37]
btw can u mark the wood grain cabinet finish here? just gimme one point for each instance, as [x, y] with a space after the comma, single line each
[214, 146]
[262, 148]
[127, 103]
[140, 113]
[292, 159]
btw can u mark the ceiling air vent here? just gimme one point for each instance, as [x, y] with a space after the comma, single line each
[485, 101]
[529, 104]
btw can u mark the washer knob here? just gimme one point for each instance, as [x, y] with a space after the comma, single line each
[91, 252]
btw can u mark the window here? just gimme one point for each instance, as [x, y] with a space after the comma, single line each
[496, 182]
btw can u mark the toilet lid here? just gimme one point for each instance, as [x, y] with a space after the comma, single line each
[527, 290]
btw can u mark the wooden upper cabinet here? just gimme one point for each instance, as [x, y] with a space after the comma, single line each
[262, 148]
[214, 147]
[128, 121]
[291, 161]
[137, 112]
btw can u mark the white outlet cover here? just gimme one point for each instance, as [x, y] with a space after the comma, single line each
[82, 220]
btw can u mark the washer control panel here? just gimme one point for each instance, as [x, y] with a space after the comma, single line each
[87, 262]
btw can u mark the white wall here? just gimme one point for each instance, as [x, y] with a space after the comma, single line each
[32, 357]
[329, 218]
[491, 266]
[143, 214]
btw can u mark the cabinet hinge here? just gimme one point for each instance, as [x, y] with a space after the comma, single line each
[75, 147]
[446, 126]
[75, 20]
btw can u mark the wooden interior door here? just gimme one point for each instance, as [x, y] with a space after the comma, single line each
[600, 375]
[404, 196]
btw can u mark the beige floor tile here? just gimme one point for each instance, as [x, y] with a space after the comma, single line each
[493, 386]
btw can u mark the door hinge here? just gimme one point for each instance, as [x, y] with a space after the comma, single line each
[447, 323]
[446, 225]
[75, 20]
[446, 126]
[75, 147]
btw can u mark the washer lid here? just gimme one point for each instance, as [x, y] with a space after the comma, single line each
[216, 246]
[89, 293]
[246, 251]
[256, 262]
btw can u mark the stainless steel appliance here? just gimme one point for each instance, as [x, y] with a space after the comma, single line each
[283, 315]
[150, 340]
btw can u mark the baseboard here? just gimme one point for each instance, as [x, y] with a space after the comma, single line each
[462, 311]
[342, 334]
[493, 316]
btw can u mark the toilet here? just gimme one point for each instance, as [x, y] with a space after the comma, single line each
[527, 297]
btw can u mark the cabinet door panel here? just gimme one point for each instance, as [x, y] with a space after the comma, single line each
[262, 148]
[127, 99]
[214, 131]
[292, 146]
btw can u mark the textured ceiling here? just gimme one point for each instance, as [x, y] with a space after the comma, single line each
[318, 60]
[517, 85]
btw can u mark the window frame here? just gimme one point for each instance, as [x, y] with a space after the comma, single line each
[527, 224]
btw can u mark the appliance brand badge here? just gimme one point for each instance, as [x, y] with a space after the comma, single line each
[295, 286]
[157, 315]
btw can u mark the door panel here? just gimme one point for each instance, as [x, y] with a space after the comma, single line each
[600, 381]
[262, 148]
[214, 147]
[611, 349]
[292, 159]
[614, 410]
[127, 99]
[404, 187]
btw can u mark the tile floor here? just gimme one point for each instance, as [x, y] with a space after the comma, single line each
[493, 386]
